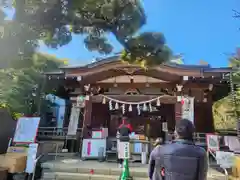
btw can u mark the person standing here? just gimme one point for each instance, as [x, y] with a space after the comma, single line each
[157, 144]
[124, 130]
[180, 160]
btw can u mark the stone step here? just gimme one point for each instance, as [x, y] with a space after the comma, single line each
[78, 176]
[76, 166]
[114, 171]
[103, 171]
[85, 176]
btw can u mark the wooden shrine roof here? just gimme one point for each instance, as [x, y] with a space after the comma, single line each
[113, 67]
[115, 61]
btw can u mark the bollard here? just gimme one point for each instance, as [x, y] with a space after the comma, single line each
[125, 173]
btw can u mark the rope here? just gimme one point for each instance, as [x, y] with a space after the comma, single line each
[132, 103]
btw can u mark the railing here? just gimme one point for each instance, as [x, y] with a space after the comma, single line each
[200, 137]
[55, 148]
[54, 132]
[224, 169]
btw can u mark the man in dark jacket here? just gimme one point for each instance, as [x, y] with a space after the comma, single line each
[180, 160]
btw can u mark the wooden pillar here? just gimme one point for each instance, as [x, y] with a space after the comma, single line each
[209, 113]
[87, 117]
[178, 111]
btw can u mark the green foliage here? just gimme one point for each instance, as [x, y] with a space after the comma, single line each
[226, 111]
[55, 21]
[223, 116]
[148, 49]
[17, 44]
[18, 87]
[235, 64]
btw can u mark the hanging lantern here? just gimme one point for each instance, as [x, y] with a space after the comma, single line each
[204, 99]
[110, 105]
[138, 109]
[158, 102]
[144, 107]
[150, 107]
[104, 100]
[210, 87]
[123, 108]
[116, 106]
[130, 108]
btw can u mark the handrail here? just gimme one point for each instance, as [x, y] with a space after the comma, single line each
[224, 169]
[54, 131]
[35, 165]
[40, 156]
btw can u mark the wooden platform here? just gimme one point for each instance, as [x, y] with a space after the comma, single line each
[75, 169]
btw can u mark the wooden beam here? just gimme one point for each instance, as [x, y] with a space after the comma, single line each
[165, 99]
[149, 85]
[93, 78]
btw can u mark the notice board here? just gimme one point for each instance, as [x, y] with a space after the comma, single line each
[26, 130]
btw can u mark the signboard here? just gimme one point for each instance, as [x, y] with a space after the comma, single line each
[164, 127]
[26, 130]
[92, 147]
[73, 124]
[233, 143]
[31, 158]
[225, 159]
[96, 134]
[124, 150]
[188, 108]
[212, 142]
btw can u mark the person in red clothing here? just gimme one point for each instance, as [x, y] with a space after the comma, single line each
[124, 130]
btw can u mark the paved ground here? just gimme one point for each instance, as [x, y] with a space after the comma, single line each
[75, 165]
[75, 162]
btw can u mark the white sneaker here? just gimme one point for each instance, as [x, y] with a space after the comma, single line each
[120, 166]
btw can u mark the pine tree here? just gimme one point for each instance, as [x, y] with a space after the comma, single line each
[235, 64]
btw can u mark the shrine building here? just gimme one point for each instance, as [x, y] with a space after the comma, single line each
[159, 96]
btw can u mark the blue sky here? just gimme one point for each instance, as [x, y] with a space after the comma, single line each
[198, 29]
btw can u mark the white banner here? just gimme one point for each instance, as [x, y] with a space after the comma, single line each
[123, 150]
[188, 108]
[73, 124]
[31, 158]
[164, 127]
[225, 159]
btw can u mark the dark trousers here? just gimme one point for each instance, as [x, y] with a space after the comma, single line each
[123, 139]
[120, 161]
